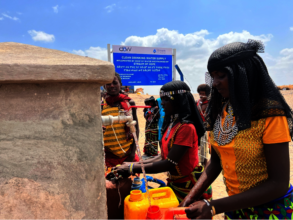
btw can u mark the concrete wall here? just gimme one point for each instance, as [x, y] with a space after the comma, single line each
[51, 146]
[51, 159]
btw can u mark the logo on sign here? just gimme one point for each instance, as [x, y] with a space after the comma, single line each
[159, 51]
[125, 49]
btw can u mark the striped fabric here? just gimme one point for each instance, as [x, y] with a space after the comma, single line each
[110, 141]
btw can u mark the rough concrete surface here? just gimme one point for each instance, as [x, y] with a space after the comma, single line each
[39, 65]
[51, 151]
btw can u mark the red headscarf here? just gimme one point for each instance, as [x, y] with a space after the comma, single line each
[121, 98]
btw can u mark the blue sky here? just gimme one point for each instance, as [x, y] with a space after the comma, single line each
[195, 28]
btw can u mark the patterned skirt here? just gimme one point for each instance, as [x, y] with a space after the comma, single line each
[278, 209]
[181, 185]
[151, 139]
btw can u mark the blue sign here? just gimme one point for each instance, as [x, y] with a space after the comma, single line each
[143, 65]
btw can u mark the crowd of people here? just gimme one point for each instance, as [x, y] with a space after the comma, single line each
[241, 118]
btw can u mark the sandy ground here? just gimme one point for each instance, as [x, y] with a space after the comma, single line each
[218, 186]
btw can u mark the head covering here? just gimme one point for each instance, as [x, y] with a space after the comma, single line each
[184, 105]
[253, 94]
[121, 98]
[161, 119]
[152, 99]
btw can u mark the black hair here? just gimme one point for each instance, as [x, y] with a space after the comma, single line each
[205, 88]
[152, 99]
[119, 78]
[184, 104]
[253, 94]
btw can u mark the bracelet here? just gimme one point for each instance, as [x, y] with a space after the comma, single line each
[213, 210]
[207, 202]
[131, 169]
[172, 161]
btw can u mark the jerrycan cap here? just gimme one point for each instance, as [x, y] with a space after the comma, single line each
[135, 195]
[154, 212]
[136, 180]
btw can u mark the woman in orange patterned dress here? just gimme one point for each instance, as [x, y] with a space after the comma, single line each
[251, 126]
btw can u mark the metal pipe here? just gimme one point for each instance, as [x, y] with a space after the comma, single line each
[174, 62]
[109, 119]
[109, 52]
[180, 72]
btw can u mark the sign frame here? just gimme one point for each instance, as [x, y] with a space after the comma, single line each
[143, 50]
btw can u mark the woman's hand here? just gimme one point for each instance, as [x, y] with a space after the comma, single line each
[186, 201]
[123, 170]
[199, 210]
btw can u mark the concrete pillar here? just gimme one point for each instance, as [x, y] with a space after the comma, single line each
[51, 146]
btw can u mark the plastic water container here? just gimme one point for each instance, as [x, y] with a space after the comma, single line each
[137, 204]
[154, 212]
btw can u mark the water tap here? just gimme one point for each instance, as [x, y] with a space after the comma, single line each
[123, 117]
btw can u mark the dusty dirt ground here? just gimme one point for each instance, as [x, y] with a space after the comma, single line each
[218, 186]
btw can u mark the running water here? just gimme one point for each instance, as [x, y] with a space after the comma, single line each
[142, 167]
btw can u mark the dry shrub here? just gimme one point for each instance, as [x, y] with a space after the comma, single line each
[139, 90]
[285, 87]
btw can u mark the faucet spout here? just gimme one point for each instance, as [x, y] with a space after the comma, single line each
[109, 119]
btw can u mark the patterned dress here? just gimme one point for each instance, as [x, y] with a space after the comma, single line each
[244, 166]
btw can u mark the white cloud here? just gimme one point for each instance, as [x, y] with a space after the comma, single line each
[110, 8]
[194, 49]
[1, 18]
[291, 28]
[55, 9]
[41, 36]
[95, 52]
[280, 67]
[10, 17]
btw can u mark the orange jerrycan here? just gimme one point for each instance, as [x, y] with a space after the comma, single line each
[155, 213]
[137, 204]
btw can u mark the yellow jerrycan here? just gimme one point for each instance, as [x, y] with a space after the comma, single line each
[137, 204]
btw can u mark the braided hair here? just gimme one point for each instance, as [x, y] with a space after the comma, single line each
[253, 94]
[184, 104]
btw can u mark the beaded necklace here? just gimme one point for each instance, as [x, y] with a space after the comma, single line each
[173, 119]
[224, 135]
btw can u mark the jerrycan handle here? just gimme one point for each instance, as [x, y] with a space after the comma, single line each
[161, 190]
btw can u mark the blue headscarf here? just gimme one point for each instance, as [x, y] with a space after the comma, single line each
[161, 119]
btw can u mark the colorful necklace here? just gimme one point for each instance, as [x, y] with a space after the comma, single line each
[173, 119]
[224, 135]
